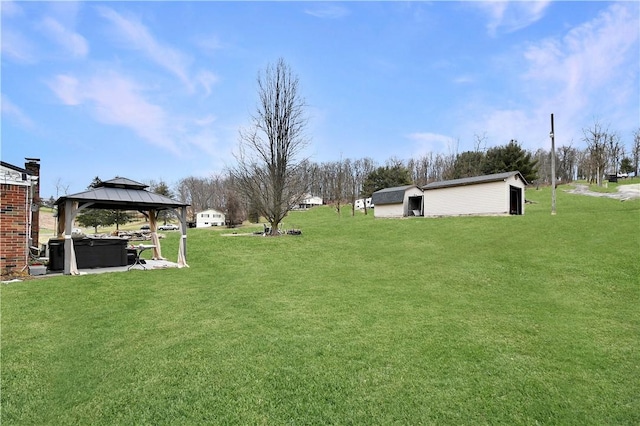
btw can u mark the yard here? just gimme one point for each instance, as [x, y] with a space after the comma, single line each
[514, 320]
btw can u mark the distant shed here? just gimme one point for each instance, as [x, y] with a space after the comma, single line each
[496, 194]
[399, 201]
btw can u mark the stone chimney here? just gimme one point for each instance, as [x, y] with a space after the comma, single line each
[32, 166]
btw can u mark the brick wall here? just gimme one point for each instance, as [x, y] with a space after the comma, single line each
[13, 228]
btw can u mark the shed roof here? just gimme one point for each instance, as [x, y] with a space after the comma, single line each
[121, 193]
[392, 195]
[473, 180]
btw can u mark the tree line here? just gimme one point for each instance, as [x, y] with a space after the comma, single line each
[269, 177]
[342, 182]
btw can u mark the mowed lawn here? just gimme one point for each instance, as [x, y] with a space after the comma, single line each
[532, 319]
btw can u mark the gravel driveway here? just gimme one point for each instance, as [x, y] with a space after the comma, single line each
[625, 192]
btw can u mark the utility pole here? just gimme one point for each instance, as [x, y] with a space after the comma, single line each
[553, 169]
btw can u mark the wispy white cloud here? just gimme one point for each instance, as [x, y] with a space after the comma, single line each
[138, 37]
[10, 9]
[589, 72]
[207, 79]
[592, 68]
[14, 113]
[210, 43]
[117, 100]
[205, 121]
[17, 47]
[588, 56]
[66, 88]
[328, 11]
[71, 41]
[425, 142]
[510, 16]
[463, 79]
[204, 140]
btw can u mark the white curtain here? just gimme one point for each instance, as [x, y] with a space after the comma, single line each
[73, 265]
[182, 260]
[153, 225]
[61, 221]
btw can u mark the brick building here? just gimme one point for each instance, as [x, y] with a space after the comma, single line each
[19, 201]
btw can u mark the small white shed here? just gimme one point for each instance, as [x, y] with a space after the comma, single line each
[496, 194]
[399, 201]
[210, 217]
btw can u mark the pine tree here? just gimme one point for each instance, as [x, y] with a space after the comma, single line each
[510, 158]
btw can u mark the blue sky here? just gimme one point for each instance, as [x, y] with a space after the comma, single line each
[159, 90]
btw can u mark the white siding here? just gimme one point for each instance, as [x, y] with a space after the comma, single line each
[491, 198]
[209, 218]
[388, 210]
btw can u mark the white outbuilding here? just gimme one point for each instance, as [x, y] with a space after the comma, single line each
[210, 217]
[309, 201]
[496, 194]
[361, 203]
[399, 201]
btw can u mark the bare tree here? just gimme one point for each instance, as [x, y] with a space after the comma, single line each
[197, 192]
[543, 157]
[480, 142]
[219, 186]
[615, 151]
[339, 184]
[567, 162]
[582, 164]
[234, 213]
[62, 188]
[420, 169]
[268, 172]
[596, 140]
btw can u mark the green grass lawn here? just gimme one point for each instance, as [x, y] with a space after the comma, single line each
[528, 319]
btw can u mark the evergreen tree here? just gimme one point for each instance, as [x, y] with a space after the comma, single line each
[510, 158]
[94, 218]
[468, 164]
[385, 177]
[162, 188]
[119, 217]
[95, 182]
[626, 165]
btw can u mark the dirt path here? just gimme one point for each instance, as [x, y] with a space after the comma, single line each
[625, 192]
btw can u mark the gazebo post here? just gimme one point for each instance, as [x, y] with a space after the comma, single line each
[68, 224]
[183, 239]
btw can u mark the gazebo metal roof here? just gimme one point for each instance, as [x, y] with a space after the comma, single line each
[121, 193]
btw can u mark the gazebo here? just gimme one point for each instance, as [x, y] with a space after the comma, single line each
[119, 194]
